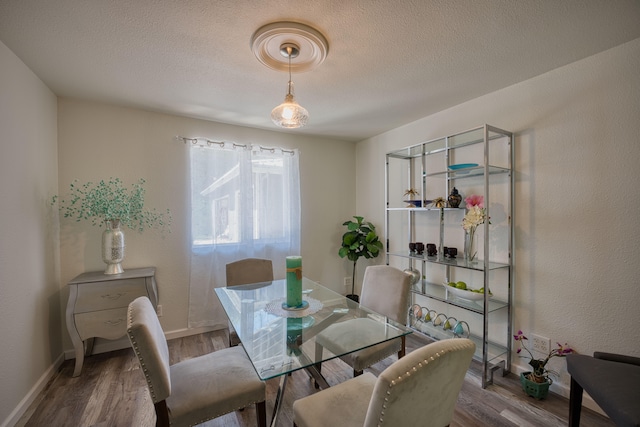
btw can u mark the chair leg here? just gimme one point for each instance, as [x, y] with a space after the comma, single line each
[261, 413]
[318, 366]
[403, 349]
[162, 414]
[356, 373]
[575, 403]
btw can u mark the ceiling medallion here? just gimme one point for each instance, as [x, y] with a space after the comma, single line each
[267, 41]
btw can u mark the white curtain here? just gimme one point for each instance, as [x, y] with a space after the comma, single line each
[245, 202]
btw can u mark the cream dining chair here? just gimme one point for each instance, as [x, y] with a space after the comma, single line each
[420, 389]
[244, 272]
[385, 290]
[195, 390]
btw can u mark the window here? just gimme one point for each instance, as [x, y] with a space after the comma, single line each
[241, 196]
[245, 203]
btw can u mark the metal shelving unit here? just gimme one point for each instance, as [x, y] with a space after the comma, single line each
[488, 152]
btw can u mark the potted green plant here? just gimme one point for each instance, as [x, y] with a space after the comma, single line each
[111, 204]
[360, 240]
[536, 383]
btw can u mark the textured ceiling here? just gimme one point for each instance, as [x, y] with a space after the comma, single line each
[389, 62]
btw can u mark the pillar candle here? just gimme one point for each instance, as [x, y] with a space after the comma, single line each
[294, 281]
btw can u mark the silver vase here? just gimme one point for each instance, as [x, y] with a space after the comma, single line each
[113, 247]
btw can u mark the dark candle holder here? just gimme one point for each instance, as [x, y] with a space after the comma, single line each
[452, 252]
[431, 249]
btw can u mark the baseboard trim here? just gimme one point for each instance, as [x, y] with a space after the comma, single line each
[104, 345]
[180, 333]
[33, 394]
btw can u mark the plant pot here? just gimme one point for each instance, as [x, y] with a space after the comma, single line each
[532, 388]
[353, 297]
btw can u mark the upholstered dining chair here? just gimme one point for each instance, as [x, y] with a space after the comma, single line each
[420, 389]
[195, 390]
[385, 290]
[244, 272]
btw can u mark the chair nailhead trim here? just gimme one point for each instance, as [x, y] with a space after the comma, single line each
[401, 378]
[134, 343]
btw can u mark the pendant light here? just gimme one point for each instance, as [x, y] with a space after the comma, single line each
[289, 114]
[275, 45]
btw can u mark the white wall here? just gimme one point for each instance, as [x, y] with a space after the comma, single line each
[30, 320]
[97, 141]
[577, 215]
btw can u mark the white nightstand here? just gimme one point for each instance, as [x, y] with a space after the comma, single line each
[98, 304]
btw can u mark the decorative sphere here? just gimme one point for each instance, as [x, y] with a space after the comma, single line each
[415, 275]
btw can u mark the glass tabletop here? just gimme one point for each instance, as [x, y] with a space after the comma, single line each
[279, 340]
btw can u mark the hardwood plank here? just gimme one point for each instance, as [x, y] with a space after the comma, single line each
[111, 392]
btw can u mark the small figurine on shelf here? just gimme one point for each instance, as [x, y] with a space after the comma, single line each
[410, 196]
[454, 198]
[439, 203]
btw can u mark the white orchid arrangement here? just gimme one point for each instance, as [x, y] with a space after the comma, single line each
[476, 215]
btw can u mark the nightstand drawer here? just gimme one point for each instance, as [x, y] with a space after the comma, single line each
[103, 296]
[109, 324]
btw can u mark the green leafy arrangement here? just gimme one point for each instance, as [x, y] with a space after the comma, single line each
[360, 240]
[110, 200]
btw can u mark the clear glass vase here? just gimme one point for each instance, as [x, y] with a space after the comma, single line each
[470, 251]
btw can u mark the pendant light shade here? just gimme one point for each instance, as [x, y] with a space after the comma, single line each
[289, 114]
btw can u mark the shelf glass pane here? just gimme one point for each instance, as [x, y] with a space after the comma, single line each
[496, 352]
[471, 172]
[439, 292]
[407, 153]
[453, 262]
[428, 208]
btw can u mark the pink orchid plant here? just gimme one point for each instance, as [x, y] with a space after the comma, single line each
[540, 373]
[474, 200]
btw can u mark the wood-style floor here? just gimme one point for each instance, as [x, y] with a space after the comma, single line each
[112, 392]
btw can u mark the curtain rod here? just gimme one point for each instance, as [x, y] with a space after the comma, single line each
[222, 144]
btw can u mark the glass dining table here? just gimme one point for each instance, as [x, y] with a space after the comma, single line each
[279, 340]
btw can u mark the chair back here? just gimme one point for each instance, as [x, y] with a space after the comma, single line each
[385, 290]
[150, 345]
[422, 387]
[249, 270]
